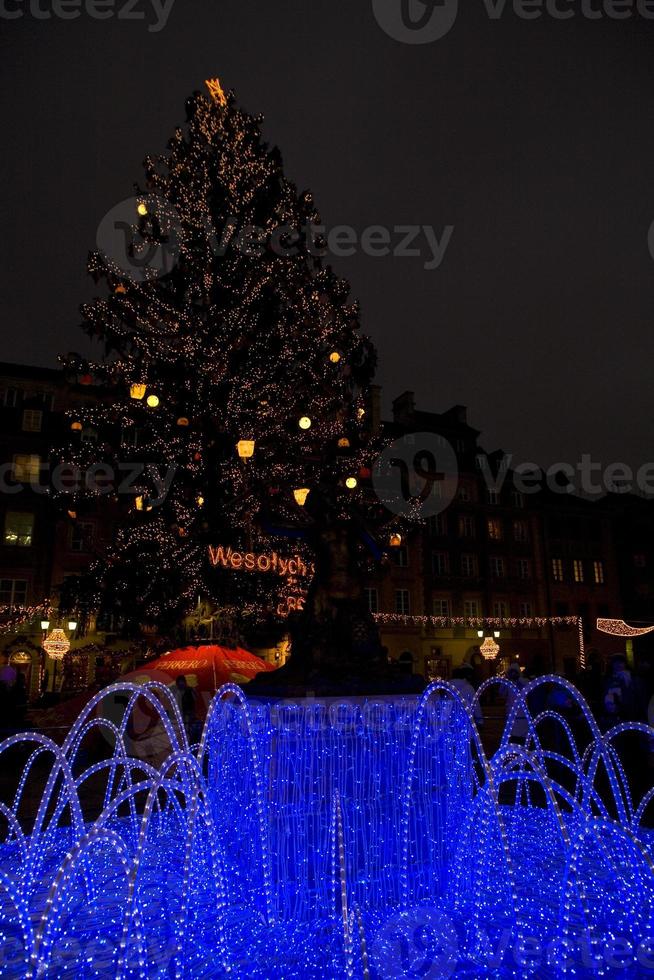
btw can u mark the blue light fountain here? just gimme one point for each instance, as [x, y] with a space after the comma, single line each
[323, 839]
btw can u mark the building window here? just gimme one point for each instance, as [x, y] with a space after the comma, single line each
[466, 526]
[526, 610]
[598, 572]
[471, 608]
[494, 529]
[372, 598]
[9, 398]
[518, 499]
[401, 556]
[493, 497]
[27, 468]
[402, 604]
[441, 607]
[32, 420]
[523, 566]
[640, 561]
[440, 563]
[81, 536]
[18, 528]
[13, 591]
[578, 570]
[520, 531]
[465, 493]
[438, 524]
[557, 569]
[500, 610]
[89, 434]
[469, 566]
[497, 567]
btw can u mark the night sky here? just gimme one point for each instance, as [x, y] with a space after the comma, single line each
[534, 139]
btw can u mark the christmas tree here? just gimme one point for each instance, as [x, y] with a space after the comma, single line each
[235, 382]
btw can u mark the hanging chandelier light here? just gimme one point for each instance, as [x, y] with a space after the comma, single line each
[57, 644]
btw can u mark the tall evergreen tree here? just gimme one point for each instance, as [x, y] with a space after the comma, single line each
[224, 328]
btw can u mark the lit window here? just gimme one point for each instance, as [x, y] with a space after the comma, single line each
[469, 566]
[372, 598]
[18, 528]
[466, 526]
[494, 529]
[500, 610]
[557, 569]
[598, 572]
[497, 567]
[32, 420]
[27, 468]
[520, 532]
[440, 563]
[402, 604]
[470, 608]
[523, 567]
[13, 591]
[578, 570]
[441, 607]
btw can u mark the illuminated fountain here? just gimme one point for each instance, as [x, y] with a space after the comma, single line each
[323, 839]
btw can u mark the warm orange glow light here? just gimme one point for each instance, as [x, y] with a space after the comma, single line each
[301, 495]
[245, 448]
[137, 391]
[152, 401]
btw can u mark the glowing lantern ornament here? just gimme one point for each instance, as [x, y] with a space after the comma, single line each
[216, 90]
[245, 448]
[200, 500]
[344, 443]
[489, 649]
[301, 495]
[21, 657]
[183, 421]
[137, 391]
[334, 357]
[361, 412]
[56, 645]
[305, 422]
[76, 426]
[142, 208]
[351, 482]
[395, 540]
[152, 401]
[120, 288]
[140, 504]
[72, 514]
